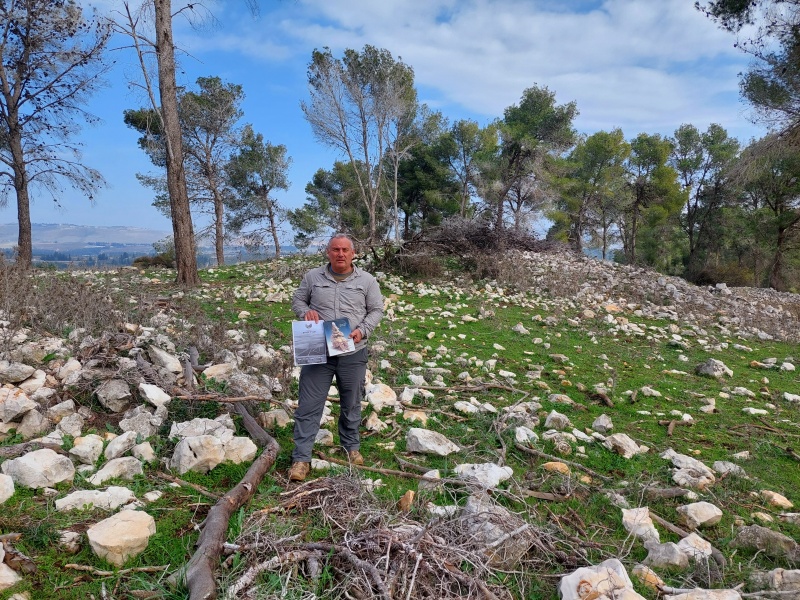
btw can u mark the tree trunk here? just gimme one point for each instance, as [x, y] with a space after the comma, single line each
[219, 233]
[182, 228]
[273, 226]
[24, 241]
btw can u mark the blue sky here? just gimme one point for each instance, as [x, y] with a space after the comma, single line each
[643, 66]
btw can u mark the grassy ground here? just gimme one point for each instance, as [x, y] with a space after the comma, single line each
[565, 352]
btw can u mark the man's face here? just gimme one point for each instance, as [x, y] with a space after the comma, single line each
[341, 254]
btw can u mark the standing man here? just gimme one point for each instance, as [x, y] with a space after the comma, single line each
[330, 292]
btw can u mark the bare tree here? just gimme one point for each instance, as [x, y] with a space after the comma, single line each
[354, 104]
[50, 63]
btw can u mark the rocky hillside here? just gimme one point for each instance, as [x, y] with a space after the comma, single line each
[571, 428]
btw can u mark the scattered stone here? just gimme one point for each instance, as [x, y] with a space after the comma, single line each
[775, 499]
[199, 453]
[556, 467]
[239, 450]
[779, 580]
[380, 395]
[39, 469]
[274, 418]
[6, 487]
[713, 368]
[110, 499]
[418, 416]
[695, 547]
[115, 395]
[555, 420]
[324, 437]
[525, 435]
[489, 475]
[638, 523]
[647, 576]
[724, 467]
[623, 445]
[665, 556]
[603, 424]
[609, 579]
[120, 445]
[201, 426]
[14, 372]
[164, 359]
[154, 394]
[772, 543]
[121, 536]
[700, 514]
[14, 403]
[126, 467]
[87, 449]
[426, 441]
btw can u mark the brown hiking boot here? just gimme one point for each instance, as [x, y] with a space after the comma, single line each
[354, 456]
[299, 470]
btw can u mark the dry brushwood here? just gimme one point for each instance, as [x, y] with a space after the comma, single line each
[378, 552]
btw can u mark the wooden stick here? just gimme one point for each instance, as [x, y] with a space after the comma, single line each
[194, 486]
[101, 573]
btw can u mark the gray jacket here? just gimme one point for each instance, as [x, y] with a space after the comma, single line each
[358, 298]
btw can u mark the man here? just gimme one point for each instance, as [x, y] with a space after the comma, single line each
[333, 291]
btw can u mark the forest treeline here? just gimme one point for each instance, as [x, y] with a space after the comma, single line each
[696, 203]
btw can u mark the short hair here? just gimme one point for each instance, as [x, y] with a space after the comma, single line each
[339, 236]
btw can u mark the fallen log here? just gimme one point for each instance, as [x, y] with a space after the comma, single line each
[199, 572]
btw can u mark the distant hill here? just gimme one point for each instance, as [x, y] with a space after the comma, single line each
[72, 235]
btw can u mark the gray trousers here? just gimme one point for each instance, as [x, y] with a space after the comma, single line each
[315, 381]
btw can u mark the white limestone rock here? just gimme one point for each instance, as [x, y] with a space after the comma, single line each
[695, 547]
[665, 556]
[14, 403]
[240, 449]
[775, 499]
[58, 411]
[713, 368]
[32, 424]
[638, 523]
[489, 475]
[87, 449]
[126, 467]
[200, 426]
[109, 499]
[121, 536]
[154, 394]
[39, 469]
[164, 359]
[525, 435]
[199, 453]
[380, 395]
[324, 437]
[115, 395]
[71, 425]
[603, 424]
[120, 445]
[144, 452]
[33, 383]
[607, 580]
[374, 423]
[14, 372]
[556, 420]
[425, 441]
[274, 418]
[699, 514]
[6, 487]
[623, 445]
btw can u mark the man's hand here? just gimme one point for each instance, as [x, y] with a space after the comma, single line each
[311, 315]
[357, 336]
